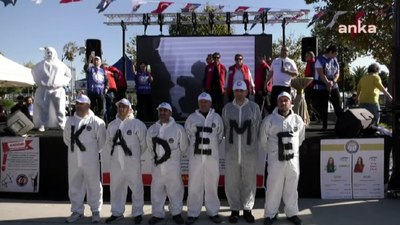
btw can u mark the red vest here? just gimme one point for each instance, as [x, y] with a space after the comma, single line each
[120, 81]
[245, 71]
[209, 76]
[111, 81]
[260, 79]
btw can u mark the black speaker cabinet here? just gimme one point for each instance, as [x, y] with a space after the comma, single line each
[353, 122]
[93, 47]
[19, 124]
[308, 44]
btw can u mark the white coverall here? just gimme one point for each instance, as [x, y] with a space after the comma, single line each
[51, 76]
[84, 166]
[241, 154]
[125, 169]
[166, 177]
[204, 161]
[283, 176]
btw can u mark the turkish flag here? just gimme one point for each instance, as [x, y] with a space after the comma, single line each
[241, 9]
[161, 7]
[68, 1]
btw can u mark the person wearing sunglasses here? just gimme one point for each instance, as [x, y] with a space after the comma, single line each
[239, 71]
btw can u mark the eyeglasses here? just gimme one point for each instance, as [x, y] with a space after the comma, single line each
[216, 57]
[238, 58]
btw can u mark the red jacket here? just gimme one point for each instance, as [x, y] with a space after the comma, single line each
[209, 76]
[120, 80]
[111, 80]
[231, 75]
[260, 77]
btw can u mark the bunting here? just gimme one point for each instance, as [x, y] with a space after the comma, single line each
[68, 1]
[241, 9]
[218, 8]
[7, 2]
[335, 17]
[162, 6]
[316, 17]
[103, 5]
[258, 17]
[190, 7]
[136, 5]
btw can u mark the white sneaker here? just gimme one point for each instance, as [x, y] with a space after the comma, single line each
[41, 128]
[73, 217]
[96, 217]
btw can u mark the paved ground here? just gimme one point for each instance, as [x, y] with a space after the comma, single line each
[312, 212]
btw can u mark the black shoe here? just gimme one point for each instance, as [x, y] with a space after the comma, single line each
[191, 220]
[296, 220]
[248, 216]
[114, 219]
[178, 219]
[137, 219]
[153, 220]
[216, 219]
[269, 221]
[234, 217]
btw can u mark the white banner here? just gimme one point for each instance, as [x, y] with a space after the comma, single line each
[352, 168]
[20, 164]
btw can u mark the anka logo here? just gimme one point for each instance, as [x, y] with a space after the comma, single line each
[357, 29]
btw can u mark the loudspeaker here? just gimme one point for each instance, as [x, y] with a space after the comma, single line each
[19, 124]
[353, 122]
[93, 45]
[308, 44]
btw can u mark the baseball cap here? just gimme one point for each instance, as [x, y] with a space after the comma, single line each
[284, 93]
[82, 99]
[164, 105]
[123, 101]
[239, 85]
[204, 96]
[98, 57]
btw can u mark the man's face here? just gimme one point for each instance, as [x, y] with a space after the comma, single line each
[204, 106]
[240, 94]
[216, 59]
[29, 101]
[123, 110]
[163, 115]
[97, 62]
[82, 108]
[239, 60]
[284, 52]
[284, 104]
[332, 55]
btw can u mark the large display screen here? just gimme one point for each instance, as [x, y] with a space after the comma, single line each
[178, 64]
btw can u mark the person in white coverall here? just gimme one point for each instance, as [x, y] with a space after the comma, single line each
[241, 120]
[281, 134]
[51, 75]
[205, 130]
[125, 142]
[85, 135]
[166, 141]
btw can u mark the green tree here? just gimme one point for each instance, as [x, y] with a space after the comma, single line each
[355, 45]
[202, 29]
[131, 49]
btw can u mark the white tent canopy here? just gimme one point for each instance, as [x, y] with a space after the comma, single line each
[13, 74]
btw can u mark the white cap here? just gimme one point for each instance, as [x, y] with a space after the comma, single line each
[239, 85]
[82, 99]
[204, 96]
[123, 101]
[164, 105]
[97, 57]
[284, 93]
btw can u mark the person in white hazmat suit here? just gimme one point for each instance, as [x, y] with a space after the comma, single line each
[166, 141]
[85, 136]
[241, 120]
[205, 130]
[51, 75]
[281, 134]
[125, 142]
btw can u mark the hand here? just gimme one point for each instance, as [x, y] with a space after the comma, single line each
[284, 70]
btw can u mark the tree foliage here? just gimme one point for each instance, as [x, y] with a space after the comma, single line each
[131, 49]
[355, 45]
[71, 49]
[294, 45]
[201, 29]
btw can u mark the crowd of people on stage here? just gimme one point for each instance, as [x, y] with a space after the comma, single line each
[224, 113]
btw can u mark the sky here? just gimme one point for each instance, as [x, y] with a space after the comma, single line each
[28, 26]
